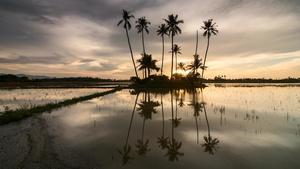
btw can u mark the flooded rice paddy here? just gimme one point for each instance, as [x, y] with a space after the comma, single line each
[221, 126]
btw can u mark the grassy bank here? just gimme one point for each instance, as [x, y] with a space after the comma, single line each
[23, 112]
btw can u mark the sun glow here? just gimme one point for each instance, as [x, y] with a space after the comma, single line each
[181, 72]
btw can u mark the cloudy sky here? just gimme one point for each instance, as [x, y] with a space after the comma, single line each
[257, 38]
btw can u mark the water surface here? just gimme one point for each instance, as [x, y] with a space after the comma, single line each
[226, 126]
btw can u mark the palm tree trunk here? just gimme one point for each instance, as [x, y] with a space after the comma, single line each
[143, 42]
[176, 62]
[131, 53]
[163, 53]
[196, 43]
[172, 58]
[205, 59]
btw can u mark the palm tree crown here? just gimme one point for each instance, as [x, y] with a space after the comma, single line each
[142, 24]
[162, 30]
[172, 24]
[209, 28]
[146, 62]
[195, 65]
[126, 17]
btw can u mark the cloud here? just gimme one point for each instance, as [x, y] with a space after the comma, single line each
[54, 59]
[83, 34]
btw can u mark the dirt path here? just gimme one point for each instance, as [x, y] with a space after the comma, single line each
[36, 142]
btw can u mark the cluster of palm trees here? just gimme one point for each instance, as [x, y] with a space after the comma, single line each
[169, 28]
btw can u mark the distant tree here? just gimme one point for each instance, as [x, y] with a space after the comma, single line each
[162, 30]
[176, 50]
[172, 26]
[142, 24]
[209, 28]
[127, 26]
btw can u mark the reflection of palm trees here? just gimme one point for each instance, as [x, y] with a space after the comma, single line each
[173, 146]
[197, 107]
[162, 141]
[211, 144]
[146, 108]
[142, 146]
[126, 149]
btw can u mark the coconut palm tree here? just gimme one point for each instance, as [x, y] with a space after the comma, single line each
[147, 63]
[209, 28]
[195, 65]
[176, 50]
[181, 66]
[142, 24]
[172, 26]
[162, 30]
[127, 26]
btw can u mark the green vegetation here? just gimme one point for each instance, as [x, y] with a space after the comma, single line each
[27, 111]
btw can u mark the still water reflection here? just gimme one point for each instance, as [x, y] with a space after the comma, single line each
[227, 126]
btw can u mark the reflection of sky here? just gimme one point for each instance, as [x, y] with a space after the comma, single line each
[16, 98]
[99, 127]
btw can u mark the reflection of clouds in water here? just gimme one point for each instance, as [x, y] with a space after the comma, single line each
[18, 97]
[102, 124]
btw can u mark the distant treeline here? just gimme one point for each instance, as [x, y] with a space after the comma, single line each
[14, 78]
[252, 80]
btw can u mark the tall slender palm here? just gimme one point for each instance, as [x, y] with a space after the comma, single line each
[162, 30]
[172, 26]
[127, 26]
[176, 50]
[142, 24]
[209, 28]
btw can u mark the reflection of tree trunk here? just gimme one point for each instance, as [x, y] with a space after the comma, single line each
[208, 128]
[143, 130]
[197, 130]
[131, 119]
[163, 116]
[172, 115]
[176, 109]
